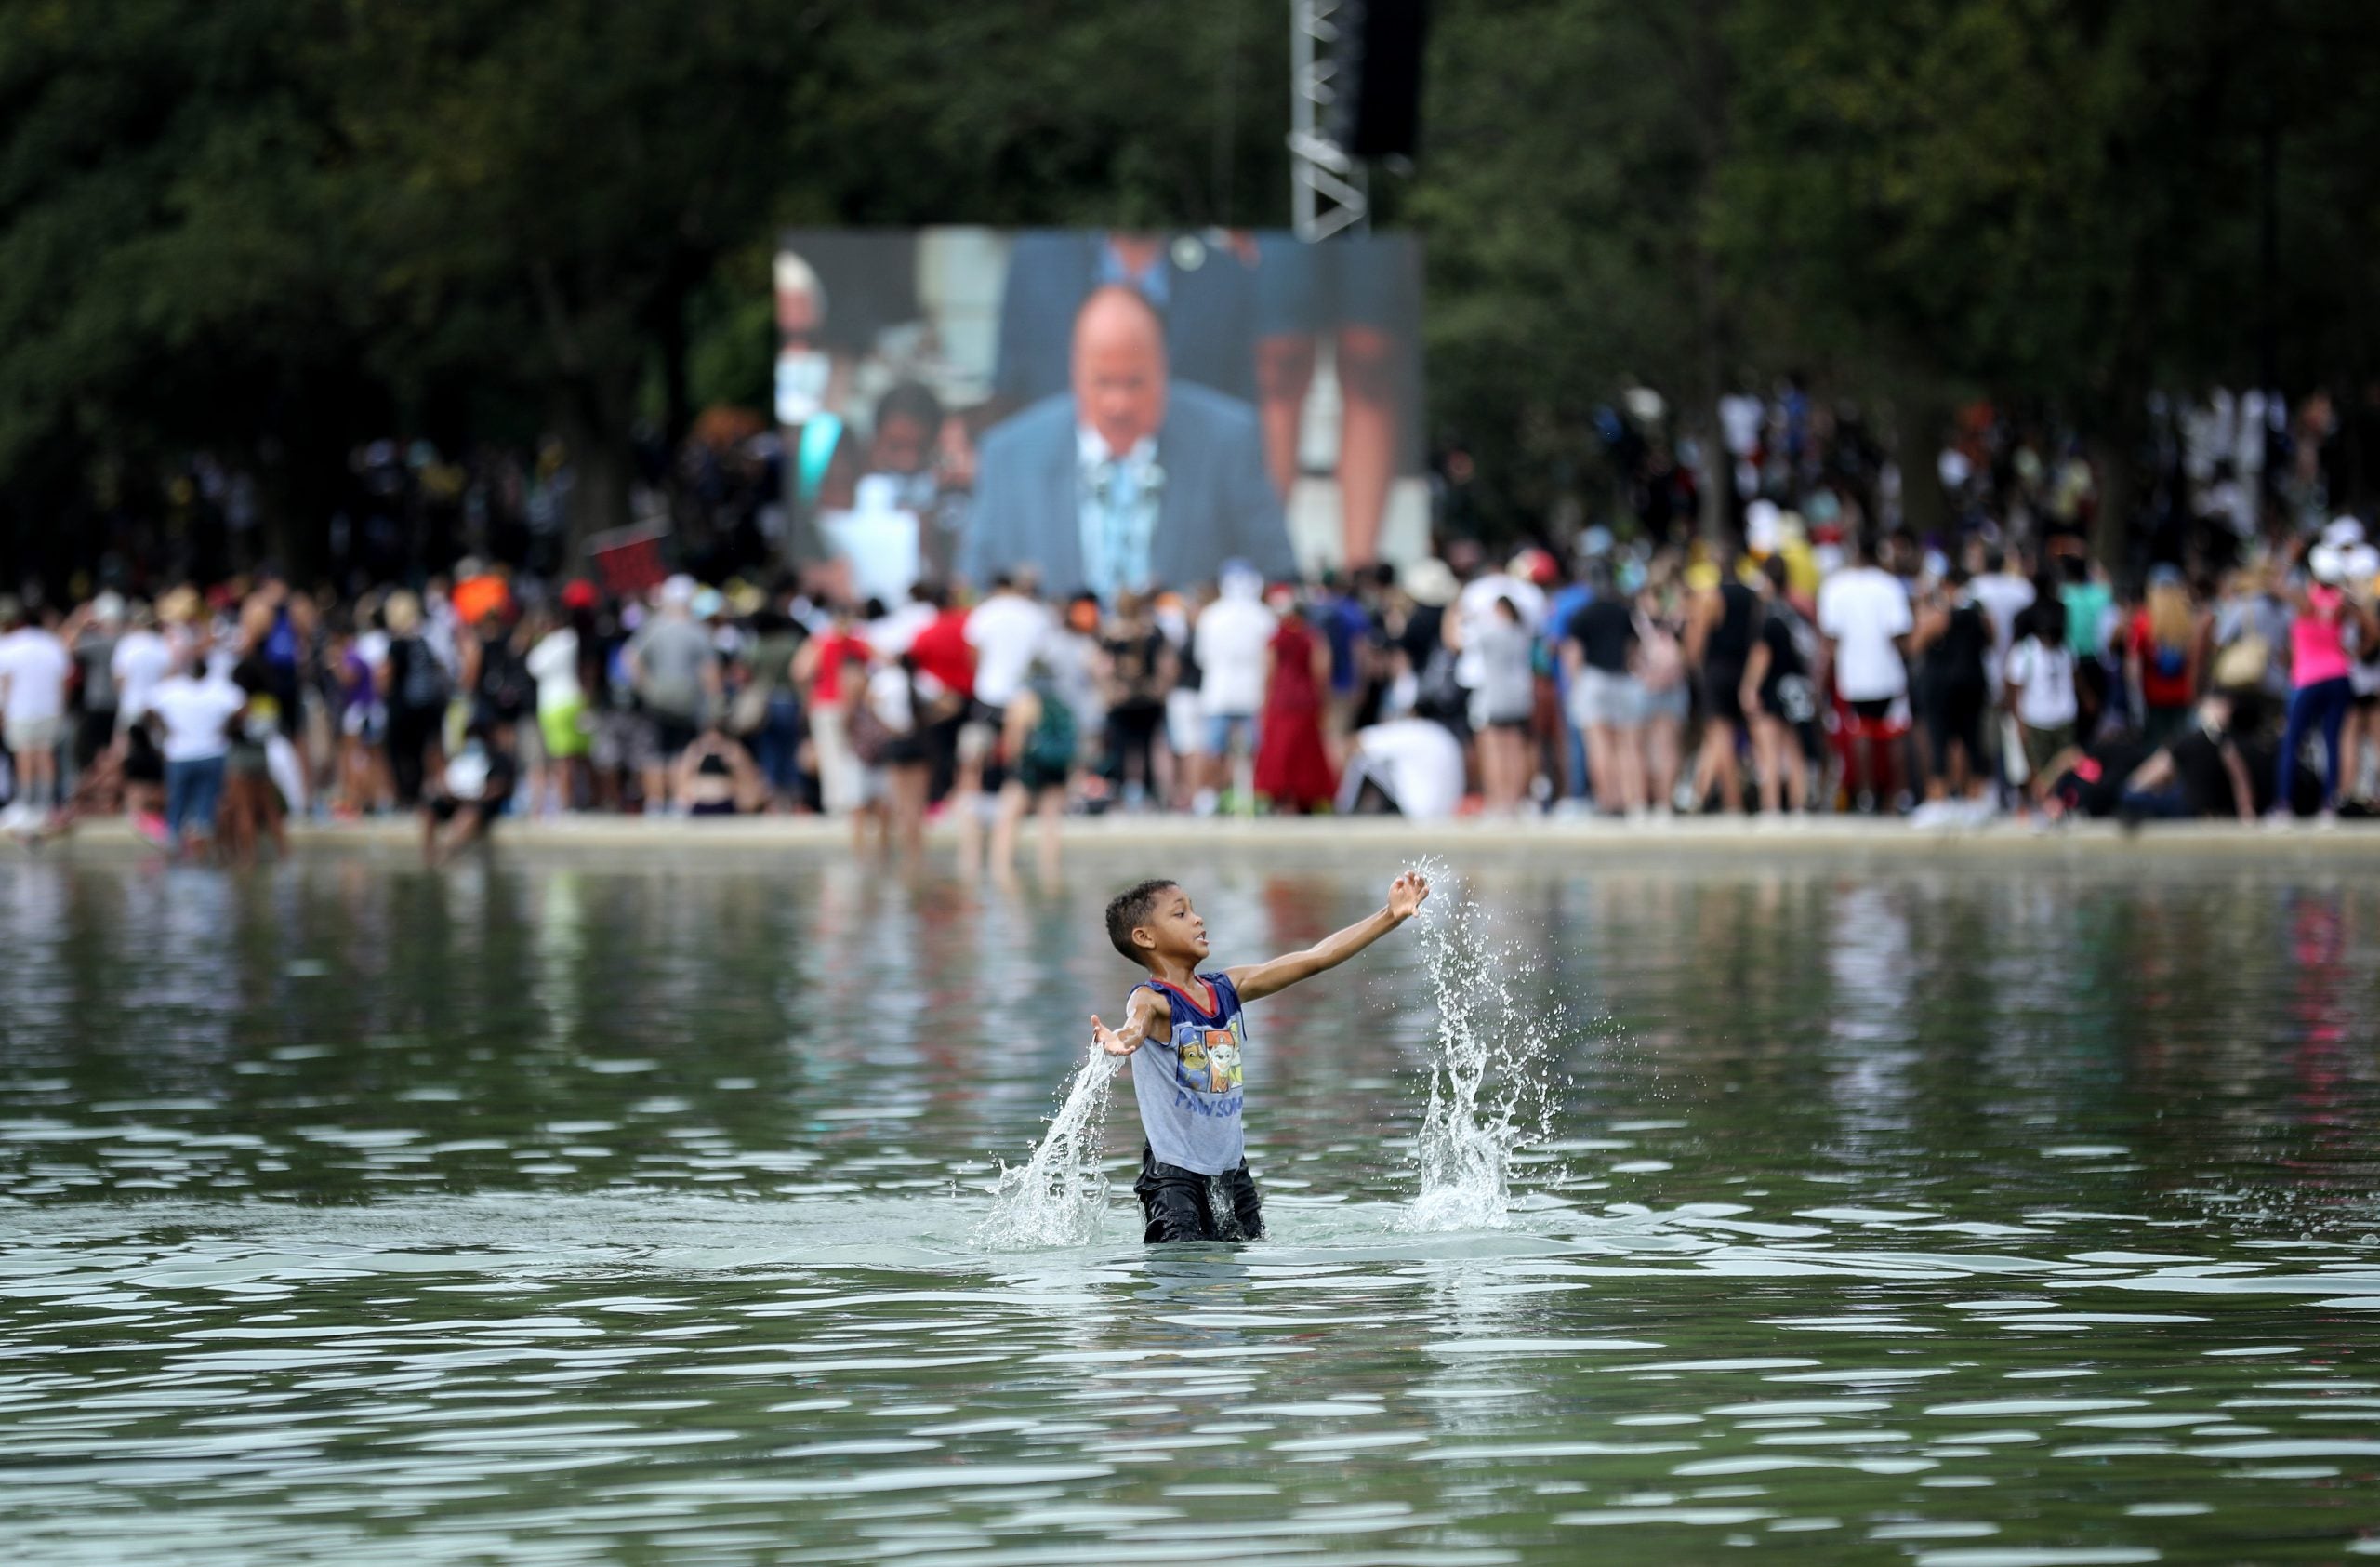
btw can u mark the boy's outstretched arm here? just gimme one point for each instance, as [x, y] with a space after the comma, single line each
[1255, 980]
[1142, 1013]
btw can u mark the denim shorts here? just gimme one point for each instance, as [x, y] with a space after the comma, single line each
[192, 790]
[1219, 726]
[1601, 698]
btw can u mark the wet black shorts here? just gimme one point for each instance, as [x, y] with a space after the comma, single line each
[1186, 1205]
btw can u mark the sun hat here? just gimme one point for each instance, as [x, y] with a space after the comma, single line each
[1430, 581]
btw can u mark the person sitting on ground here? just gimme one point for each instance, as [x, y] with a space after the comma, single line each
[716, 776]
[461, 805]
[1193, 1183]
[2201, 772]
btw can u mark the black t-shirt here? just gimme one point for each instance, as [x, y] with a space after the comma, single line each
[1784, 652]
[1731, 639]
[1134, 657]
[2198, 767]
[1604, 630]
[503, 775]
[1959, 655]
[1422, 629]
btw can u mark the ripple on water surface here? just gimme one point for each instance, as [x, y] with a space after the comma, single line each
[555, 1215]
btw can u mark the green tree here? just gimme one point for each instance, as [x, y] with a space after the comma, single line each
[2047, 200]
[1564, 197]
[540, 188]
[168, 254]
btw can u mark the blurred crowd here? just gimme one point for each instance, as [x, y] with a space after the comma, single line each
[1830, 658]
[1820, 667]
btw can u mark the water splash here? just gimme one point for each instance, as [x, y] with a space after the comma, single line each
[1491, 1094]
[1059, 1196]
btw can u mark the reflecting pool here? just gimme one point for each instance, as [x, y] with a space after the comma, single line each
[1970, 1214]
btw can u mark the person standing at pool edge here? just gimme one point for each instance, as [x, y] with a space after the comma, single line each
[1194, 1182]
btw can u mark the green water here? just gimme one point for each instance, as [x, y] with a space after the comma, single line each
[1975, 1216]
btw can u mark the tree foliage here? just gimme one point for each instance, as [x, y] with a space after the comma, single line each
[270, 227]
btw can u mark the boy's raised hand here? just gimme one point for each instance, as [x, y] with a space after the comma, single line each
[1406, 894]
[1108, 1040]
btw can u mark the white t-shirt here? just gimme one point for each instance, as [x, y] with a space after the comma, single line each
[888, 696]
[1230, 641]
[194, 712]
[891, 637]
[1006, 631]
[553, 664]
[142, 658]
[2047, 676]
[1475, 612]
[2004, 598]
[1863, 609]
[34, 665]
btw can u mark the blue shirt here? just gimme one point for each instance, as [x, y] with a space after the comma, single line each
[1560, 611]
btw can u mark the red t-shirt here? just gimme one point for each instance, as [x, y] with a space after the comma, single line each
[834, 651]
[941, 650]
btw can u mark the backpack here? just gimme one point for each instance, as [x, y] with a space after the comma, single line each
[504, 679]
[1436, 692]
[871, 737]
[1050, 744]
[2242, 663]
[423, 683]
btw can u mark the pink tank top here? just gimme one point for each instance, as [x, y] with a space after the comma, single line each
[2316, 652]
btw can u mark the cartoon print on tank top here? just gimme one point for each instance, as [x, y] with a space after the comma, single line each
[1208, 1058]
[1207, 1040]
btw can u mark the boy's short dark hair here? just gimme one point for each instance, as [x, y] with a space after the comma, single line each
[1130, 908]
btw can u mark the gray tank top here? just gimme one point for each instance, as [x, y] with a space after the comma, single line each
[1187, 1078]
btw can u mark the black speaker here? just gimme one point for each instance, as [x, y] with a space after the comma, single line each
[1377, 111]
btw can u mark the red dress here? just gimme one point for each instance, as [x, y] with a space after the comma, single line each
[1292, 768]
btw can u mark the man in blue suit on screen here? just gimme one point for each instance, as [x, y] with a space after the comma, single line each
[1131, 480]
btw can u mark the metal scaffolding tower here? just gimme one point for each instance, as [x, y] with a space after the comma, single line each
[1330, 193]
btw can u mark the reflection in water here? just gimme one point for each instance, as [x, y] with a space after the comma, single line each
[561, 1213]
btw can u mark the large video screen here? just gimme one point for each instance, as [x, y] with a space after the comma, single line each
[1100, 409]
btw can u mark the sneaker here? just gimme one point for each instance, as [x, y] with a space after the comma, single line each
[152, 827]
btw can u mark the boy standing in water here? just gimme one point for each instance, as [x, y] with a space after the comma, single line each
[1193, 1183]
